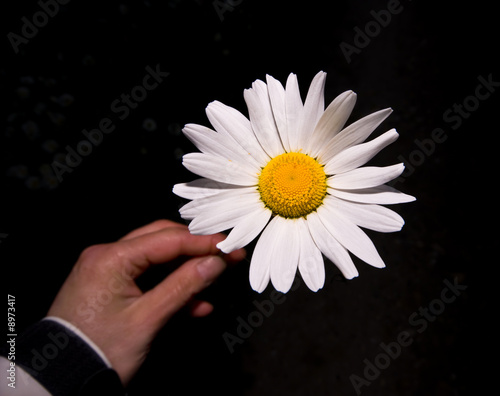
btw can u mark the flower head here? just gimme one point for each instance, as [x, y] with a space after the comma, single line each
[292, 173]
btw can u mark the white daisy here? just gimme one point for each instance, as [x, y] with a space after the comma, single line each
[291, 171]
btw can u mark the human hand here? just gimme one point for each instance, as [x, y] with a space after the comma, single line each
[101, 298]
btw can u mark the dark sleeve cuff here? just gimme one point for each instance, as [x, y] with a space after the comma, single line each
[64, 363]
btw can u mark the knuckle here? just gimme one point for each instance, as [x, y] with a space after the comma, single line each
[92, 253]
[162, 222]
[96, 258]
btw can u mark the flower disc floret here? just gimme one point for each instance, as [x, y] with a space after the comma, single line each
[292, 185]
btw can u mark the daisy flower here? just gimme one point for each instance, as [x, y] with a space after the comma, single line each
[292, 173]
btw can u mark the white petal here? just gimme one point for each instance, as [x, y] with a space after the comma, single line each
[246, 230]
[368, 176]
[277, 98]
[349, 234]
[261, 261]
[227, 120]
[355, 133]
[222, 212]
[262, 118]
[373, 217]
[314, 106]
[200, 188]
[205, 139]
[356, 156]
[217, 202]
[214, 143]
[207, 223]
[285, 254]
[331, 122]
[311, 265]
[330, 247]
[220, 169]
[231, 123]
[294, 109]
[273, 250]
[384, 195]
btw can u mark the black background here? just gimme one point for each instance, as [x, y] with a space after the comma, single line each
[426, 60]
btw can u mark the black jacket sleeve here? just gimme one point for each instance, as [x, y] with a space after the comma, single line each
[63, 362]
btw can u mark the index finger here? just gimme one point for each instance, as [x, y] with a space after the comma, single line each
[164, 245]
[152, 227]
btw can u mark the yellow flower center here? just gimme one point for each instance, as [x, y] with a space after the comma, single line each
[292, 185]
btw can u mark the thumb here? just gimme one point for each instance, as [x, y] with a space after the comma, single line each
[174, 292]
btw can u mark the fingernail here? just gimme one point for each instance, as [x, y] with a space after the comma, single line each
[211, 267]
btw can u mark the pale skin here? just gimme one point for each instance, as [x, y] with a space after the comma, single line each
[125, 323]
